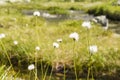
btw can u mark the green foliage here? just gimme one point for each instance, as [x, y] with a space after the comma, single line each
[112, 12]
[31, 31]
[6, 73]
[57, 10]
[72, 23]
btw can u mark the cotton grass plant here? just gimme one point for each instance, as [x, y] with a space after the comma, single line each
[55, 45]
[75, 37]
[2, 35]
[92, 48]
[37, 48]
[31, 67]
[37, 14]
[39, 39]
[15, 42]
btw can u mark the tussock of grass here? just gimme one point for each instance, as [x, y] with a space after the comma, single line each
[27, 39]
[109, 10]
[31, 33]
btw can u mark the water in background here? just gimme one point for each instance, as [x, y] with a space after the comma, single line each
[52, 19]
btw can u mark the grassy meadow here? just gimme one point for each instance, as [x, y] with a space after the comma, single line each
[111, 11]
[29, 40]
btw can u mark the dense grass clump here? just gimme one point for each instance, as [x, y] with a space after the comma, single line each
[33, 48]
[30, 32]
[112, 12]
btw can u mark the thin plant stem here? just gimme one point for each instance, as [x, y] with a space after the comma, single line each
[88, 73]
[92, 72]
[46, 72]
[35, 74]
[35, 20]
[6, 53]
[88, 43]
[95, 31]
[74, 61]
[4, 75]
[36, 66]
[37, 30]
[29, 75]
[17, 73]
[90, 55]
[64, 72]
[42, 69]
[37, 33]
[25, 51]
[51, 74]
[75, 70]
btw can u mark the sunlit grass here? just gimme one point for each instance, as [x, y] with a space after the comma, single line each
[27, 37]
[29, 40]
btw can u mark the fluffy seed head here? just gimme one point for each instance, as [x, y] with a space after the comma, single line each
[86, 24]
[36, 13]
[31, 67]
[37, 48]
[2, 35]
[55, 45]
[15, 42]
[93, 49]
[74, 36]
[59, 40]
